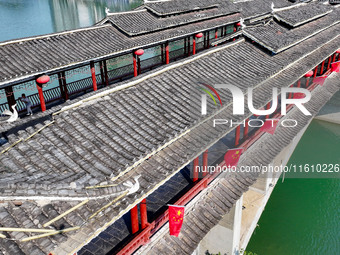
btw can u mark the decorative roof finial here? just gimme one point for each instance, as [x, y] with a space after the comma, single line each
[13, 115]
[132, 187]
[273, 10]
[242, 23]
[107, 11]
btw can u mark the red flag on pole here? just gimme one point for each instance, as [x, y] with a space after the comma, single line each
[336, 67]
[320, 80]
[270, 126]
[176, 215]
[232, 157]
[299, 95]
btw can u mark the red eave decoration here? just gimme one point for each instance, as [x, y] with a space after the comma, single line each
[199, 35]
[238, 24]
[309, 74]
[43, 79]
[139, 52]
[338, 51]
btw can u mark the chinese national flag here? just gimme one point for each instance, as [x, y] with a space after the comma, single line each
[232, 157]
[320, 80]
[299, 95]
[176, 214]
[270, 126]
[336, 67]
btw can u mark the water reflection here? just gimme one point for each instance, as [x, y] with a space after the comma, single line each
[23, 18]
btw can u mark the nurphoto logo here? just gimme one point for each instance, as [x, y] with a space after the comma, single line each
[238, 99]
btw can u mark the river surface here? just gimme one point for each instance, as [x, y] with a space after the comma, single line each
[23, 18]
[302, 215]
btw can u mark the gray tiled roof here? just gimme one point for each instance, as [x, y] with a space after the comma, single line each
[277, 38]
[143, 21]
[302, 14]
[61, 50]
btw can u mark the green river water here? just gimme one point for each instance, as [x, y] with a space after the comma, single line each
[302, 215]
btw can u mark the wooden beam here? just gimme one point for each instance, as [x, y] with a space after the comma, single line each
[65, 213]
[49, 234]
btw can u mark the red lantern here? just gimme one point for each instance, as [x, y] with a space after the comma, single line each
[43, 79]
[139, 52]
[199, 35]
[309, 74]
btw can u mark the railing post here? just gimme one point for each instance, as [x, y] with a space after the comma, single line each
[208, 39]
[10, 96]
[194, 171]
[134, 219]
[167, 59]
[185, 45]
[205, 163]
[93, 74]
[106, 74]
[237, 135]
[143, 214]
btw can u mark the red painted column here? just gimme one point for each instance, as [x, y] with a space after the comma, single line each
[143, 214]
[216, 33]
[322, 67]
[195, 171]
[134, 219]
[307, 82]
[246, 128]
[237, 135]
[134, 65]
[205, 163]
[93, 74]
[193, 46]
[167, 59]
[41, 98]
[339, 57]
[334, 57]
[299, 84]
[315, 71]
[329, 63]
